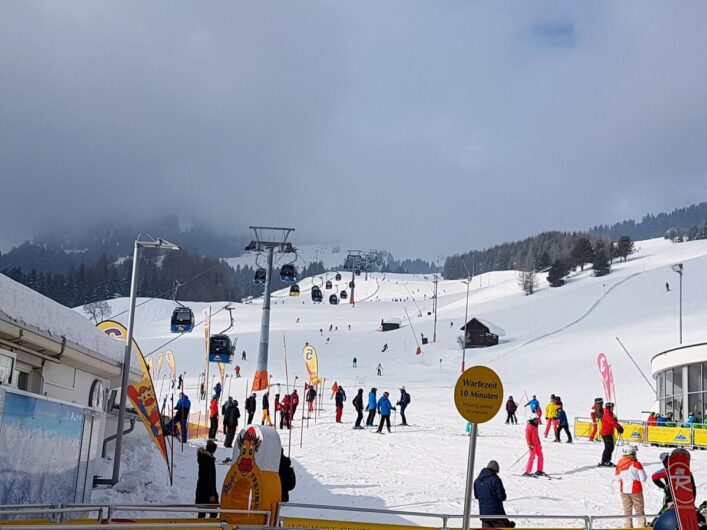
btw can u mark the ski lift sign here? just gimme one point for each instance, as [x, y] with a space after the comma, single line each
[478, 394]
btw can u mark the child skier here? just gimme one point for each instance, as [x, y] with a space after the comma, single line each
[631, 474]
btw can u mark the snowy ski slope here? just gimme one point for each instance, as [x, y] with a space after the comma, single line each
[552, 340]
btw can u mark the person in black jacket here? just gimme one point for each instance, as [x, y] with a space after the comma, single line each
[250, 408]
[224, 410]
[287, 476]
[489, 491]
[358, 405]
[206, 492]
[231, 421]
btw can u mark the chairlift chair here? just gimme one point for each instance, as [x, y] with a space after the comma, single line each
[338, 277]
[220, 349]
[333, 299]
[357, 272]
[182, 320]
[328, 284]
[316, 294]
[260, 275]
[294, 290]
[288, 273]
[343, 295]
[351, 284]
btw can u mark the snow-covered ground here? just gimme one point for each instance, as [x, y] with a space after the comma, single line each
[551, 344]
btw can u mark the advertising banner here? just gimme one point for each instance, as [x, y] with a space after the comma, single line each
[160, 358]
[171, 365]
[142, 395]
[311, 362]
[668, 435]
[607, 377]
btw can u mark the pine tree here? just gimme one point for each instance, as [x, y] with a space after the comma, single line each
[601, 265]
[556, 274]
[582, 252]
[624, 247]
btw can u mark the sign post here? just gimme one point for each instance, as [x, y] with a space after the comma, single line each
[477, 395]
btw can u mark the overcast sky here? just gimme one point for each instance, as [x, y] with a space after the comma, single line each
[424, 128]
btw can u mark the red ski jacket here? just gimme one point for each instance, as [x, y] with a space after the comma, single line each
[531, 435]
[213, 409]
[609, 423]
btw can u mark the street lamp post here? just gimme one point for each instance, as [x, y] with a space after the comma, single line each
[679, 269]
[154, 243]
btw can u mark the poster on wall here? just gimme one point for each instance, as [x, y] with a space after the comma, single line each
[31, 470]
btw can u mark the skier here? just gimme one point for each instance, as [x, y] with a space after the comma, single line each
[181, 418]
[334, 390]
[217, 391]
[340, 397]
[596, 414]
[233, 415]
[562, 424]
[202, 391]
[250, 408]
[385, 348]
[206, 492]
[354, 362]
[384, 408]
[238, 371]
[667, 287]
[532, 438]
[371, 408]
[266, 410]
[285, 410]
[243, 356]
[294, 401]
[404, 401]
[551, 416]
[511, 407]
[379, 370]
[534, 405]
[631, 475]
[224, 410]
[358, 405]
[213, 417]
[311, 396]
[489, 491]
[180, 386]
[608, 425]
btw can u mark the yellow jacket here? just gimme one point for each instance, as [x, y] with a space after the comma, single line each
[551, 411]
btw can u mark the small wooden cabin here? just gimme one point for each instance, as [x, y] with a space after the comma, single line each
[389, 324]
[481, 333]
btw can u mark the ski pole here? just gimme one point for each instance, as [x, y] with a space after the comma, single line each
[521, 458]
[395, 423]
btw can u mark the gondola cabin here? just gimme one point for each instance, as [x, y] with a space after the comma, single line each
[288, 273]
[357, 272]
[220, 349]
[294, 290]
[333, 299]
[351, 284]
[328, 284]
[343, 295]
[182, 320]
[260, 275]
[316, 295]
[337, 277]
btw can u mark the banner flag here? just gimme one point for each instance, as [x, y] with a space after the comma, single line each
[160, 358]
[311, 362]
[607, 378]
[151, 366]
[171, 364]
[142, 395]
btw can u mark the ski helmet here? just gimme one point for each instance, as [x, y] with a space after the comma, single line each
[598, 400]
[609, 405]
[667, 521]
[630, 449]
[532, 416]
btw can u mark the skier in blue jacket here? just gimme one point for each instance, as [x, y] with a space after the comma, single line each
[384, 408]
[371, 408]
[534, 405]
[181, 418]
[563, 425]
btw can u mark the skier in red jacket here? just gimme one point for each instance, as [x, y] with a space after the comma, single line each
[532, 438]
[609, 424]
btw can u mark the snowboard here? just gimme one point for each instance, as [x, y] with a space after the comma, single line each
[680, 477]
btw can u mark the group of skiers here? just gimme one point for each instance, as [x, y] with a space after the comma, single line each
[382, 405]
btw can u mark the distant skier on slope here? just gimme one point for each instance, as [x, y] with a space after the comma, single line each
[266, 410]
[609, 424]
[334, 390]
[385, 348]
[371, 408]
[311, 396]
[358, 406]
[532, 438]
[379, 369]
[339, 402]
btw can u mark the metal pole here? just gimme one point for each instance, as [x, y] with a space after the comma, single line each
[466, 319]
[680, 308]
[469, 476]
[260, 381]
[126, 369]
[353, 280]
[434, 332]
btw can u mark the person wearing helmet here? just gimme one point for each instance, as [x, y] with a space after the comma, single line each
[532, 438]
[551, 416]
[384, 408]
[631, 476]
[404, 401]
[609, 424]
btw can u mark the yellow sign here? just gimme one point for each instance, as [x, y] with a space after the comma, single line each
[699, 437]
[582, 428]
[668, 435]
[478, 394]
[311, 362]
[633, 432]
